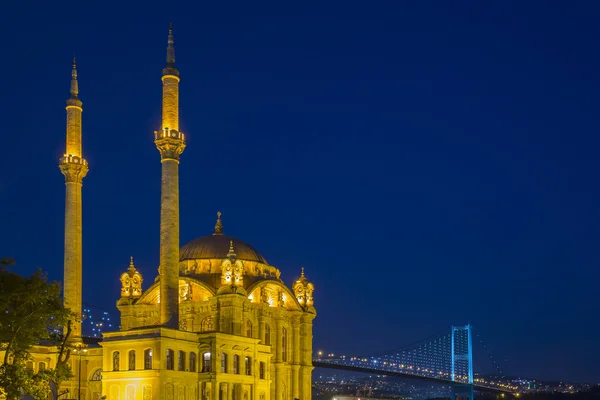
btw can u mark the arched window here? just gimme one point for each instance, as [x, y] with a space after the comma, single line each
[224, 363]
[261, 370]
[248, 364]
[41, 367]
[284, 344]
[248, 328]
[181, 361]
[207, 324]
[236, 364]
[192, 362]
[267, 335]
[206, 362]
[29, 365]
[148, 359]
[116, 361]
[170, 359]
[97, 375]
[131, 360]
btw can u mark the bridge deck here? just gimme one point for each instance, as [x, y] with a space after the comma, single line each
[319, 363]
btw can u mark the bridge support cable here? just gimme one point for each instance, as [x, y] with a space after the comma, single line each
[445, 359]
[490, 357]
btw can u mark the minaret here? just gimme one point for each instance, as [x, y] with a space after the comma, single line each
[74, 167]
[170, 143]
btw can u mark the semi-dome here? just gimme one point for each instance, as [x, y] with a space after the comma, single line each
[217, 246]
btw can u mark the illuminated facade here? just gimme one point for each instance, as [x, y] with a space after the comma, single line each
[217, 323]
[242, 334]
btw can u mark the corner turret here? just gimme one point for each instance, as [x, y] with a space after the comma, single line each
[131, 282]
[303, 290]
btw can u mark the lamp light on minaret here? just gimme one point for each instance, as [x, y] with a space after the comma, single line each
[170, 142]
[74, 167]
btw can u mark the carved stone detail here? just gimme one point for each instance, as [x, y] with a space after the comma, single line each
[73, 168]
[170, 143]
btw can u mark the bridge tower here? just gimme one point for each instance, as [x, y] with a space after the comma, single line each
[461, 357]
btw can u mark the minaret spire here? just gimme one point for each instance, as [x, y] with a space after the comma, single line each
[74, 167]
[170, 142]
[170, 48]
[74, 83]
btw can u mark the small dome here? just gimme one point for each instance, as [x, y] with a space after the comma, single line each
[217, 246]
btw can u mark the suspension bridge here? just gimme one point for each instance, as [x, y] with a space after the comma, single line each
[446, 358]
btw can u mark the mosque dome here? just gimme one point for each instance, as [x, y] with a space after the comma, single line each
[217, 246]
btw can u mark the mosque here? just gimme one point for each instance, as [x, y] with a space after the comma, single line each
[217, 323]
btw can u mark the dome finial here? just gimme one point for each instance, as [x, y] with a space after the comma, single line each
[231, 252]
[131, 266]
[302, 275]
[218, 225]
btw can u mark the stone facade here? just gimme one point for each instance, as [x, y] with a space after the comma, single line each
[249, 335]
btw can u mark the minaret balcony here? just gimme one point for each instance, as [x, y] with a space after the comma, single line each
[169, 133]
[74, 168]
[71, 159]
[170, 143]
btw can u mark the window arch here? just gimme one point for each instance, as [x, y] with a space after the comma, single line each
[284, 344]
[148, 359]
[248, 365]
[181, 361]
[236, 364]
[41, 367]
[116, 361]
[224, 363]
[261, 371]
[192, 362]
[207, 324]
[248, 328]
[206, 365]
[97, 375]
[170, 359]
[267, 335]
[131, 360]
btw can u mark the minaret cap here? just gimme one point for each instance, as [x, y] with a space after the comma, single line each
[74, 83]
[218, 225]
[170, 48]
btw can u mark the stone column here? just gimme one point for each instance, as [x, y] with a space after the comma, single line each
[306, 368]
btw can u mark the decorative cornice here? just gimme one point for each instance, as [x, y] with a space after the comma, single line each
[73, 168]
[170, 143]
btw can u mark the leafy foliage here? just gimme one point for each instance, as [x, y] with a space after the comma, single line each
[32, 311]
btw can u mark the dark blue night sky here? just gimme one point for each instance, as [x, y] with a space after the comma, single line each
[428, 163]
